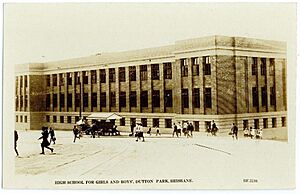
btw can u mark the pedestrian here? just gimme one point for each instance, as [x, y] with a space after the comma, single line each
[75, 132]
[52, 135]
[191, 129]
[132, 128]
[185, 128]
[157, 131]
[252, 132]
[16, 139]
[45, 143]
[179, 128]
[149, 131]
[139, 132]
[234, 131]
[175, 130]
[214, 128]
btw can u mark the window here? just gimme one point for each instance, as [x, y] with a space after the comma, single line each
[47, 118]
[85, 100]
[155, 98]
[54, 100]
[102, 99]
[155, 71]
[94, 76]
[132, 121]
[26, 81]
[256, 123]
[47, 102]
[265, 123]
[112, 75]
[85, 77]
[254, 66]
[132, 73]
[272, 67]
[274, 125]
[61, 79]
[184, 67]
[185, 98]
[77, 100]
[144, 122]
[168, 70]
[272, 96]
[17, 102]
[263, 66]
[26, 101]
[207, 125]
[168, 123]
[143, 72]
[206, 65]
[69, 118]
[155, 122]
[69, 101]
[122, 74]
[168, 98]
[61, 119]
[196, 97]
[21, 101]
[25, 119]
[263, 96]
[122, 122]
[144, 98]
[283, 121]
[69, 78]
[54, 79]
[195, 65]
[77, 78]
[47, 80]
[254, 97]
[76, 118]
[112, 99]
[94, 99]
[132, 99]
[21, 119]
[62, 100]
[17, 82]
[122, 99]
[245, 124]
[196, 125]
[17, 118]
[102, 76]
[54, 119]
[207, 98]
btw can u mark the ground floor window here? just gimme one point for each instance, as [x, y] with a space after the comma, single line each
[144, 122]
[61, 119]
[47, 118]
[207, 125]
[168, 123]
[273, 122]
[265, 120]
[17, 118]
[21, 118]
[25, 119]
[256, 124]
[196, 125]
[155, 123]
[54, 119]
[69, 118]
[283, 122]
[76, 118]
[122, 122]
[245, 124]
[132, 121]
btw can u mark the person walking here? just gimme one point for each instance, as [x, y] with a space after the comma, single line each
[175, 130]
[191, 129]
[16, 139]
[139, 132]
[157, 131]
[75, 132]
[52, 135]
[45, 143]
[234, 131]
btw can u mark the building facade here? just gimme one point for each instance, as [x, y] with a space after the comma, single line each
[225, 79]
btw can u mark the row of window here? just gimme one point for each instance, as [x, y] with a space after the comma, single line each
[263, 66]
[19, 118]
[156, 102]
[265, 123]
[264, 94]
[23, 104]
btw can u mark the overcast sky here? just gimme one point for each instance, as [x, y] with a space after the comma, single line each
[47, 32]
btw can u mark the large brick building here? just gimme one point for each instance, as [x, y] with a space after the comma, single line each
[226, 79]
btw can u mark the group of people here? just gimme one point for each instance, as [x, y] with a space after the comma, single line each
[45, 142]
[253, 133]
[187, 128]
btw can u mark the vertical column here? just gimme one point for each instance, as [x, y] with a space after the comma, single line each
[117, 91]
[201, 85]
[258, 85]
[51, 93]
[250, 104]
[214, 94]
[162, 87]
[18, 93]
[66, 91]
[149, 88]
[98, 90]
[190, 86]
[127, 89]
[107, 90]
[138, 89]
[58, 92]
[82, 90]
[278, 84]
[177, 87]
[90, 89]
[73, 92]
[267, 79]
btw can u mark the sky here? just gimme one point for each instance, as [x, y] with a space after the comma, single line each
[49, 32]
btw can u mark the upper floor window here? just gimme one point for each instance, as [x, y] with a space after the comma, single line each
[122, 99]
[155, 98]
[195, 65]
[132, 99]
[69, 78]
[85, 77]
[206, 65]
[272, 67]
[254, 66]
[263, 96]
[54, 79]
[132, 73]
[272, 96]
[112, 99]
[94, 99]
[263, 66]
[185, 98]
[122, 74]
[103, 99]
[61, 79]
[94, 76]
[112, 75]
[102, 76]
[143, 72]
[168, 98]
[254, 96]
[184, 67]
[85, 100]
[196, 97]
[77, 78]
[155, 71]
[168, 70]
[47, 80]
[26, 81]
[144, 98]
[207, 98]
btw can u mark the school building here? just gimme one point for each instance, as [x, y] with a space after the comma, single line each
[225, 79]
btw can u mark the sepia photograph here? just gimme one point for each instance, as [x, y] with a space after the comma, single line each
[149, 95]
